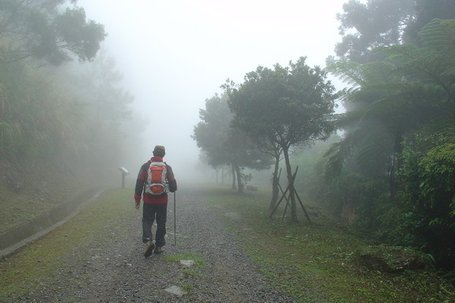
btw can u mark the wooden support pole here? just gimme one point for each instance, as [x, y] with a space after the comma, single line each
[301, 204]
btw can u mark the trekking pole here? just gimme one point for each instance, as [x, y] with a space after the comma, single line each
[175, 222]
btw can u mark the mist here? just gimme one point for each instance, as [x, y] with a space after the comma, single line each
[175, 55]
[313, 144]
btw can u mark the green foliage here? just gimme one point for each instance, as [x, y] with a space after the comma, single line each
[197, 258]
[429, 178]
[43, 30]
[287, 105]
[28, 129]
[426, 11]
[212, 133]
[225, 144]
[438, 173]
[283, 107]
[399, 118]
[62, 115]
[95, 119]
[53, 114]
[391, 98]
[366, 25]
[316, 263]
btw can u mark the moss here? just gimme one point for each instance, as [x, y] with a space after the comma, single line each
[187, 287]
[391, 259]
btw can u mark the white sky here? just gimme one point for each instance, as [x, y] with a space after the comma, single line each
[175, 54]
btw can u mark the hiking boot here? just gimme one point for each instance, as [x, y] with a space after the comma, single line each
[158, 250]
[149, 250]
[146, 240]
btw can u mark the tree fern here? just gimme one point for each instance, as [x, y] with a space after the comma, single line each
[439, 35]
[389, 99]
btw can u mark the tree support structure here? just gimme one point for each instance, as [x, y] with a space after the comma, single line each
[285, 196]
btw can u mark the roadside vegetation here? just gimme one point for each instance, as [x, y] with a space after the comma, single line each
[317, 262]
[63, 110]
[385, 163]
[49, 257]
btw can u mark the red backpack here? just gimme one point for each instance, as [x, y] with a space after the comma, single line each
[156, 178]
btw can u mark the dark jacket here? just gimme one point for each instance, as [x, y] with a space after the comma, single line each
[142, 178]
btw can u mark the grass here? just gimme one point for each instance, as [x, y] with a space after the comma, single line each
[28, 203]
[189, 273]
[19, 208]
[197, 258]
[314, 262]
[25, 270]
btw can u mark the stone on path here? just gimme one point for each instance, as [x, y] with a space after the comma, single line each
[175, 290]
[187, 263]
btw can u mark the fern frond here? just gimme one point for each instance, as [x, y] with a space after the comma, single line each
[439, 35]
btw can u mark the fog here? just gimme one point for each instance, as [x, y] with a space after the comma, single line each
[175, 54]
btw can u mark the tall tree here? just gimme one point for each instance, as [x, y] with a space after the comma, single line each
[98, 111]
[225, 145]
[51, 30]
[379, 23]
[393, 97]
[266, 146]
[389, 103]
[365, 25]
[425, 12]
[285, 106]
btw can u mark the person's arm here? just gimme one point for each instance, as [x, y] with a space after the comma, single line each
[140, 181]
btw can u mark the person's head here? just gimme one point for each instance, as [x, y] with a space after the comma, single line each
[159, 151]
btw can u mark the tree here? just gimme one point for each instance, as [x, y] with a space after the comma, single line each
[284, 106]
[391, 98]
[389, 103]
[425, 12]
[51, 30]
[95, 118]
[365, 26]
[429, 190]
[224, 144]
[68, 115]
[267, 147]
[381, 23]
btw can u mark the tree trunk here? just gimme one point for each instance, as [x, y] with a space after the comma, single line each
[290, 185]
[239, 179]
[233, 177]
[394, 166]
[222, 174]
[275, 180]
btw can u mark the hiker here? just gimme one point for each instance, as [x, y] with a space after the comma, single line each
[154, 181]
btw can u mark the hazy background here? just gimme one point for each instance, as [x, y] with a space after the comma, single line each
[175, 54]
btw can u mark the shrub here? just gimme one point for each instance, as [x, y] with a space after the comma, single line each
[429, 179]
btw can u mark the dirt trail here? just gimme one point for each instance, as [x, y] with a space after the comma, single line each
[114, 269]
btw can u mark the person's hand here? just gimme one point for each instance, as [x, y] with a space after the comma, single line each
[137, 200]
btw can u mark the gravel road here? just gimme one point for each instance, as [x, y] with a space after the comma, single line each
[115, 270]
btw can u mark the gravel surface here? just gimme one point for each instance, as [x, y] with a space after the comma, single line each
[114, 269]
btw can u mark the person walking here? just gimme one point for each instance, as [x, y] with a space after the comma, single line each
[154, 181]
